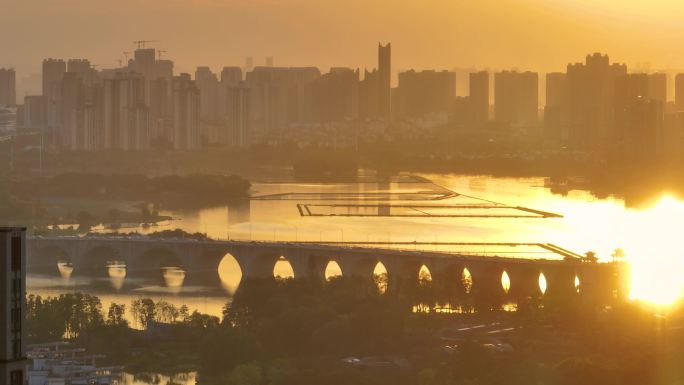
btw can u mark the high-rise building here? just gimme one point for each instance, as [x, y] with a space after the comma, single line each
[368, 95]
[280, 96]
[516, 97]
[71, 101]
[673, 136]
[35, 112]
[186, 113]
[81, 66]
[679, 92]
[375, 89]
[87, 130]
[238, 125]
[231, 76]
[208, 84]
[385, 79]
[160, 112]
[144, 63]
[13, 309]
[53, 72]
[643, 127]
[629, 88]
[126, 115]
[555, 108]
[425, 92]
[657, 87]
[478, 98]
[591, 109]
[336, 95]
[8, 87]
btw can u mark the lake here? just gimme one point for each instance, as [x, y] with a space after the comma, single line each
[427, 209]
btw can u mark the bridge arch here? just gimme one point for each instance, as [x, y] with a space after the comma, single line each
[466, 280]
[333, 270]
[282, 269]
[160, 263]
[380, 277]
[230, 273]
[50, 260]
[96, 262]
[424, 275]
[543, 284]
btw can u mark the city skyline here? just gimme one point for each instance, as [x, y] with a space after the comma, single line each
[30, 84]
[310, 192]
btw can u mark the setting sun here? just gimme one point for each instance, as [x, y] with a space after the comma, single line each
[312, 192]
[655, 254]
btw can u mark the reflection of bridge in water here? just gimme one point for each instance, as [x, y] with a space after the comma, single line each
[563, 273]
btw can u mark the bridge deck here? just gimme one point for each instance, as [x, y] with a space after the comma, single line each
[505, 251]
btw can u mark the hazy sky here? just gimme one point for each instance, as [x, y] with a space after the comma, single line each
[529, 34]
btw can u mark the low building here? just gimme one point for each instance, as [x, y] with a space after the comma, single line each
[58, 363]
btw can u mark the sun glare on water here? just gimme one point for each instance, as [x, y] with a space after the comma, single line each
[655, 253]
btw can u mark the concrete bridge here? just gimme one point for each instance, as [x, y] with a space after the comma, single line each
[145, 257]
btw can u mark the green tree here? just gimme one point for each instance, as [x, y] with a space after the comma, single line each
[166, 312]
[116, 315]
[184, 313]
[143, 310]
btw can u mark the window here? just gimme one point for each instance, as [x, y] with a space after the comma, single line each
[16, 320]
[16, 348]
[16, 253]
[17, 377]
[17, 294]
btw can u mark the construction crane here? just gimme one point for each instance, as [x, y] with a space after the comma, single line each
[159, 53]
[141, 43]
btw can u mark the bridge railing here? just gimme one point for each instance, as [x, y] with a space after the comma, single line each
[512, 250]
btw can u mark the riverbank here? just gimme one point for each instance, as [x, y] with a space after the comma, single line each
[298, 332]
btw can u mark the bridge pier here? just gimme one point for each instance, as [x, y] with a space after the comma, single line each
[603, 284]
[402, 275]
[447, 278]
[257, 264]
[202, 267]
[560, 283]
[524, 283]
[487, 292]
[358, 266]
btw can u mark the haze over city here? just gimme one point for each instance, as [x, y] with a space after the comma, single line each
[528, 34]
[300, 192]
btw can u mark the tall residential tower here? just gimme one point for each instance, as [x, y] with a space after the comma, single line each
[385, 79]
[13, 309]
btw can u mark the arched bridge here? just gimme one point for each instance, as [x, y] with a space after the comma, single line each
[199, 259]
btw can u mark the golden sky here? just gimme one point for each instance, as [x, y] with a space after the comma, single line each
[529, 34]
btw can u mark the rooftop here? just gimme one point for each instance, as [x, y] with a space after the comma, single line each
[10, 229]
